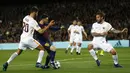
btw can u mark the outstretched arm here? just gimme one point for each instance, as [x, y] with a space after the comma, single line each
[47, 27]
[118, 31]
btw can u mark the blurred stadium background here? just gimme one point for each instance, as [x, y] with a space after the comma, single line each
[117, 13]
[63, 12]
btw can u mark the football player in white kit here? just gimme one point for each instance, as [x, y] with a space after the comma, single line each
[72, 33]
[79, 36]
[27, 40]
[99, 32]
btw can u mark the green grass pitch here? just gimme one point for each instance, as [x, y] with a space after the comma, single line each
[84, 63]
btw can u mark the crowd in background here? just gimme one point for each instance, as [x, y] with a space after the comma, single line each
[117, 14]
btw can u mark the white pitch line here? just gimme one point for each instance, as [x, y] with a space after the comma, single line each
[64, 60]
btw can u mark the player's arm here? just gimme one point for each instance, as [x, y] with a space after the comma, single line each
[118, 31]
[83, 31]
[69, 30]
[47, 27]
[99, 34]
[85, 34]
[69, 33]
[56, 28]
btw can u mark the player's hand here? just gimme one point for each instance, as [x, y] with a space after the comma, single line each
[124, 30]
[52, 22]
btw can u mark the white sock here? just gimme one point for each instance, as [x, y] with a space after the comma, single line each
[92, 52]
[41, 53]
[68, 47]
[115, 59]
[13, 56]
[72, 49]
[79, 49]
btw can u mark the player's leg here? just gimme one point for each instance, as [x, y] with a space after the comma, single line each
[46, 66]
[13, 56]
[73, 47]
[108, 48]
[93, 53]
[38, 46]
[70, 44]
[52, 56]
[115, 57]
[79, 48]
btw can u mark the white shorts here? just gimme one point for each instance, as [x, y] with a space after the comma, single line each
[78, 40]
[102, 45]
[72, 39]
[28, 43]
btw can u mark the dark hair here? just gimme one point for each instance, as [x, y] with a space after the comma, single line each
[102, 14]
[34, 9]
[42, 17]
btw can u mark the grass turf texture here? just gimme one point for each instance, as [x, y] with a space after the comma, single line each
[84, 63]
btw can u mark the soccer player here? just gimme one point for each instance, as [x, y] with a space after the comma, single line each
[99, 32]
[27, 40]
[79, 37]
[72, 33]
[45, 41]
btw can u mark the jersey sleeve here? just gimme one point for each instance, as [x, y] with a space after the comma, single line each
[83, 29]
[109, 27]
[69, 27]
[36, 26]
[93, 29]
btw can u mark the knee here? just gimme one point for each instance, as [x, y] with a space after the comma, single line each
[74, 44]
[19, 52]
[90, 46]
[53, 48]
[113, 52]
[79, 44]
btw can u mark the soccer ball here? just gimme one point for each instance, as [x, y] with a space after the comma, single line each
[57, 64]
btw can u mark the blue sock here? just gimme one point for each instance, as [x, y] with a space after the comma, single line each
[52, 56]
[47, 60]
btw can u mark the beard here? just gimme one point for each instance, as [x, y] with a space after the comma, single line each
[99, 21]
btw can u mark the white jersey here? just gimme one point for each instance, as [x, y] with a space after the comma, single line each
[100, 28]
[79, 30]
[29, 25]
[72, 29]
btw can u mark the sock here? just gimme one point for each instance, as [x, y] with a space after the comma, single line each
[72, 49]
[101, 52]
[115, 59]
[92, 52]
[52, 56]
[41, 53]
[68, 47]
[47, 60]
[13, 56]
[79, 49]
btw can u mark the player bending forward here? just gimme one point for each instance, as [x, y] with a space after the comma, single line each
[99, 32]
[79, 37]
[27, 40]
[45, 41]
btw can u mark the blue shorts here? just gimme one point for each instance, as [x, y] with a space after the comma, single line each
[46, 43]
